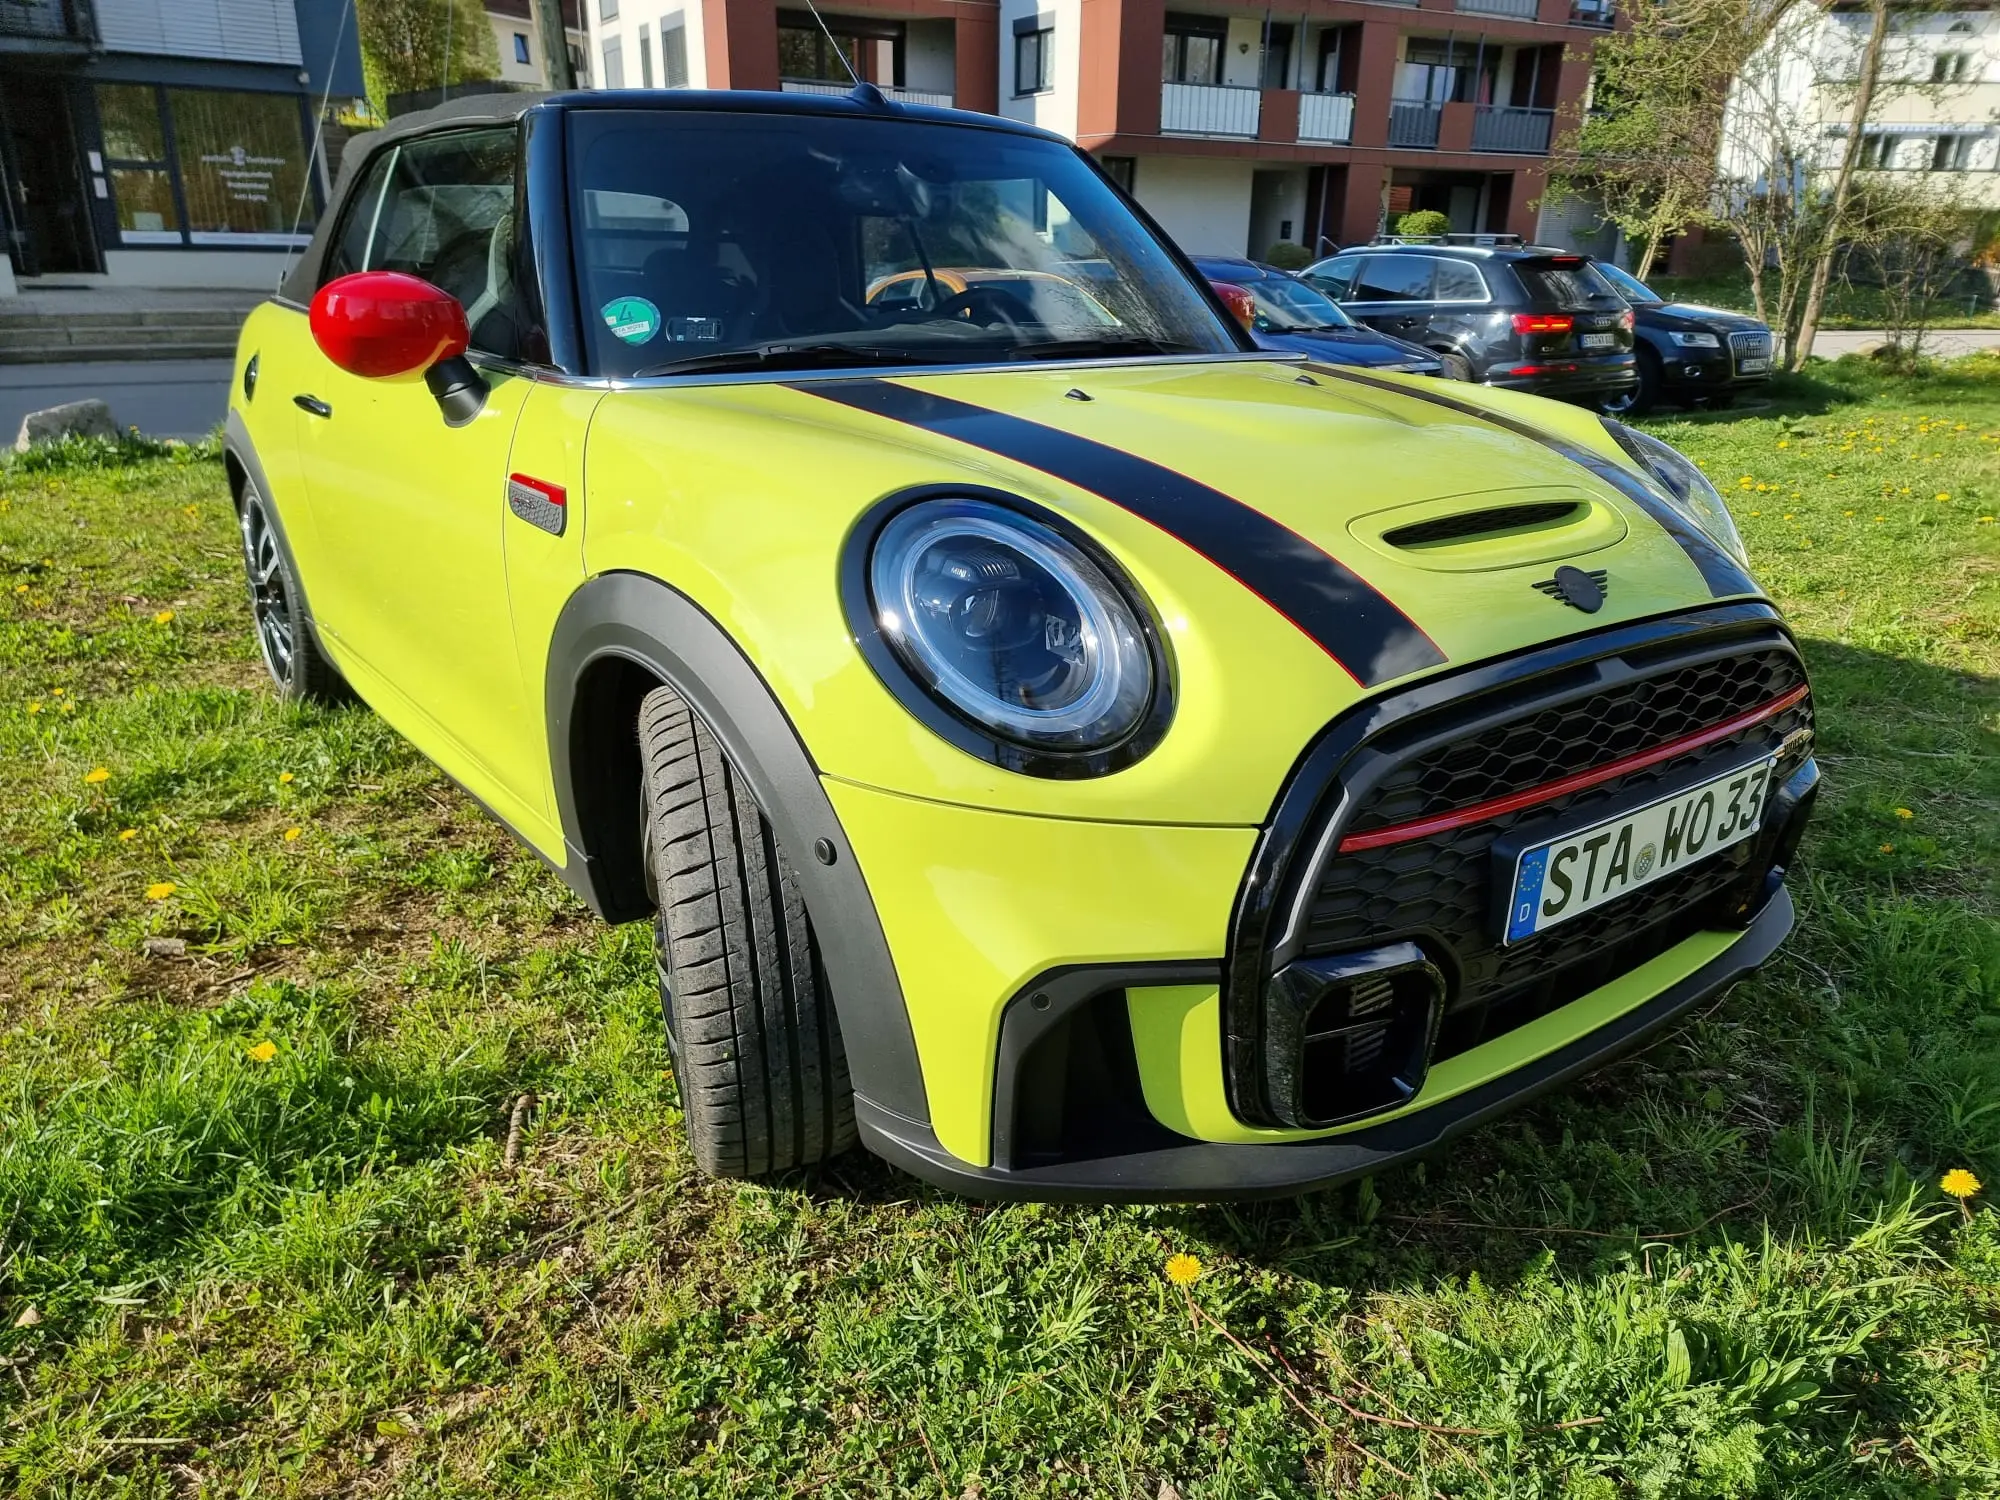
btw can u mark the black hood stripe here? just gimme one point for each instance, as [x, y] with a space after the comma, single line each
[1723, 574]
[1371, 638]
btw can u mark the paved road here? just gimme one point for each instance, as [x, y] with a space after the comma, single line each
[1942, 343]
[181, 398]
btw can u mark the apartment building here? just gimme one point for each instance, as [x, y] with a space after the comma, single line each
[1936, 113]
[165, 142]
[1236, 125]
[517, 38]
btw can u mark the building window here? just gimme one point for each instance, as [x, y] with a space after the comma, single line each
[1951, 67]
[1878, 152]
[1034, 57]
[614, 62]
[1952, 153]
[205, 166]
[521, 47]
[871, 50]
[1122, 170]
[1277, 46]
[1332, 54]
[1192, 49]
[645, 57]
[673, 55]
[607, 10]
[1439, 72]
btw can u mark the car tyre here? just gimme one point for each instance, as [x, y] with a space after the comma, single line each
[1644, 396]
[756, 1047]
[284, 639]
[1456, 366]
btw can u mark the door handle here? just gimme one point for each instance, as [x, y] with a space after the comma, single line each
[312, 404]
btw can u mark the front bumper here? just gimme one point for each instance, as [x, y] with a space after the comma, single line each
[1692, 372]
[1181, 1170]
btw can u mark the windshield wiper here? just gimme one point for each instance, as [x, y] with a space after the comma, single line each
[1098, 348]
[779, 354]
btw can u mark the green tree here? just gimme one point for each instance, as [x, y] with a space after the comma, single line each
[1423, 221]
[407, 45]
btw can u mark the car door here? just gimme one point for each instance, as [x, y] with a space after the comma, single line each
[1460, 312]
[1391, 294]
[407, 510]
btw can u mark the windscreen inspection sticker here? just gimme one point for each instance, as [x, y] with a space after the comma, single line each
[633, 319]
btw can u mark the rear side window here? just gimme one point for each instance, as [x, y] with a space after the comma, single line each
[1459, 281]
[1394, 278]
[1565, 284]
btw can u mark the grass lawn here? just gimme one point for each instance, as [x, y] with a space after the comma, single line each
[1847, 305]
[258, 1232]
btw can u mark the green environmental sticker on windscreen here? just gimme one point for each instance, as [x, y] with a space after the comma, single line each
[632, 319]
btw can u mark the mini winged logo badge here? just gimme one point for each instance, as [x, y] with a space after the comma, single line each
[1578, 589]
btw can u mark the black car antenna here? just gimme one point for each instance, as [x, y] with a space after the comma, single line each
[863, 91]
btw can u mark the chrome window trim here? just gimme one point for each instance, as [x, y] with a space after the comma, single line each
[549, 376]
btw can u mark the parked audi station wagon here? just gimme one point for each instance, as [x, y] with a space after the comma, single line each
[1687, 353]
[1061, 746]
[1515, 316]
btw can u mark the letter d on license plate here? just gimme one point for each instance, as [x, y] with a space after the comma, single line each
[1579, 871]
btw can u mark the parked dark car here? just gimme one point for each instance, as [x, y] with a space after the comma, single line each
[1698, 356]
[1494, 309]
[1283, 312]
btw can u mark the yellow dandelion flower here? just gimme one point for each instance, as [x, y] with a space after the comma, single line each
[159, 890]
[126, 835]
[1784, 443]
[284, 778]
[34, 708]
[1756, 513]
[1904, 813]
[1881, 518]
[1886, 849]
[57, 692]
[1847, 513]
[1960, 1183]
[292, 835]
[164, 617]
[20, 588]
[97, 775]
[1985, 520]
[1788, 516]
[1183, 1270]
[66, 706]
[1746, 481]
[1944, 494]
[262, 1051]
[190, 510]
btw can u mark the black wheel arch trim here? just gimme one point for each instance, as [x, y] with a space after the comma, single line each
[1209, 1171]
[240, 450]
[625, 620]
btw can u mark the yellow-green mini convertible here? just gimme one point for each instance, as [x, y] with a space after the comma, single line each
[1064, 748]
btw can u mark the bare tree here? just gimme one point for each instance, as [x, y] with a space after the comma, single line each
[1835, 219]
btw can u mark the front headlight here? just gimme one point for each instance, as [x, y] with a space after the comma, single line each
[1696, 340]
[1020, 632]
[1683, 484]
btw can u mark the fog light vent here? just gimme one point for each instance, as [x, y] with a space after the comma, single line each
[1348, 1035]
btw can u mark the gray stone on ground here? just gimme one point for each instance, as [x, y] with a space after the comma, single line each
[89, 419]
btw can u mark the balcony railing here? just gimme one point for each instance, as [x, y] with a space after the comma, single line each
[820, 86]
[1413, 124]
[50, 20]
[1208, 109]
[1525, 9]
[1593, 12]
[1525, 132]
[1326, 117]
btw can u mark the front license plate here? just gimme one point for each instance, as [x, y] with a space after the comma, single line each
[1597, 340]
[1753, 366]
[1580, 871]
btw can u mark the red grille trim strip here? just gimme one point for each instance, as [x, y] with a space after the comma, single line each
[1479, 812]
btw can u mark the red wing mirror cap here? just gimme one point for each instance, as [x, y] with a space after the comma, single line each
[1242, 306]
[384, 323]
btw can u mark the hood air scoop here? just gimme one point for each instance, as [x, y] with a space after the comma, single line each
[1475, 533]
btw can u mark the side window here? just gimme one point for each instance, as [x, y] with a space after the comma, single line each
[1394, 278]
[349, 251]
[1336, 277]
[1459, 281]
[445, 212]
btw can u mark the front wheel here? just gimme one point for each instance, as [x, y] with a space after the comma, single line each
[285, 641]
[1641, 398]
[756, 1047]
[1456, 366]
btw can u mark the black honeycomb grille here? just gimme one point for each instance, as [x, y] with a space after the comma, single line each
[1558, 741]
[1440, 890]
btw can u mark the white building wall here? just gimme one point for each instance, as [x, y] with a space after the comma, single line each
[1203, 205]
[929, 61]
[263, 31]
[1056, 108]
[657, 18]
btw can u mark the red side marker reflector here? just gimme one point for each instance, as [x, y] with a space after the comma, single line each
[1479, 812]
[553, 493]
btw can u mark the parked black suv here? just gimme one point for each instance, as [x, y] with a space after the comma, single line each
[1496, 310]
[1694, 355]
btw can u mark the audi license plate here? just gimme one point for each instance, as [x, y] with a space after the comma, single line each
[1597, 340]
[1755, 365]
[1580, 871]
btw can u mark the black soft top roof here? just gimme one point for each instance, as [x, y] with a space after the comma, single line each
[865, 102]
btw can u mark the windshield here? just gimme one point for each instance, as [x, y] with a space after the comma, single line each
[1288, 306]
[1630, 287]
[734, 240]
